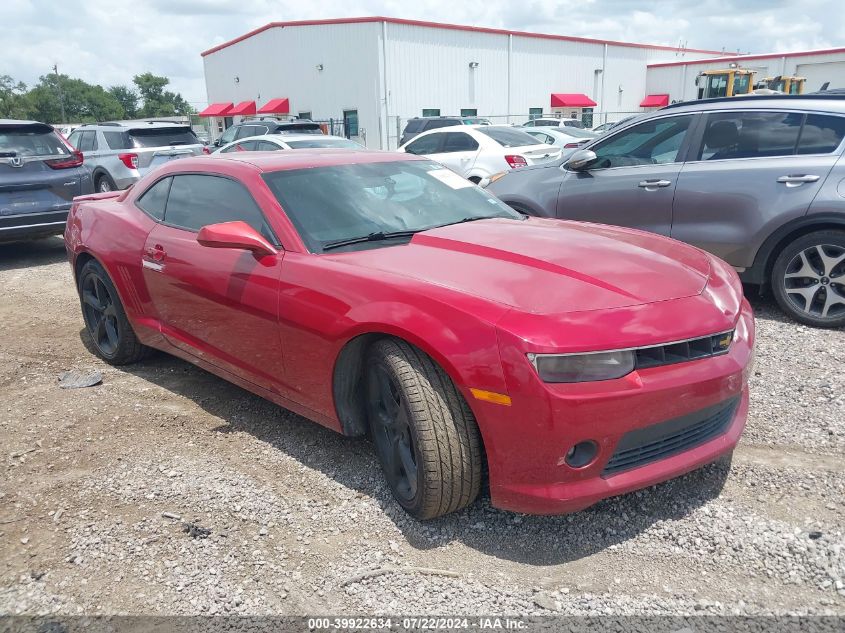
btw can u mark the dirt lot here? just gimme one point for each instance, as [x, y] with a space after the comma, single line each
[296, 512]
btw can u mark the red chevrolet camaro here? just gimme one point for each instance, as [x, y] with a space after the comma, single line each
[380, 293]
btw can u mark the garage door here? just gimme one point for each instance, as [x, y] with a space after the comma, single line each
[817, 74]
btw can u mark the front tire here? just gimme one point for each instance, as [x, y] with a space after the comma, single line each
[105, 184]
[424, 432]
[111, 333]
[808, 279]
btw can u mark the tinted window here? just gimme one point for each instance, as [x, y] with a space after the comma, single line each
[228, 136]
[459, 142]
[546, 123]
[822, 134]
[324, 142]
[250, 130]
[73, 139]
[163, 136]
[573, 123]
[651, 143]
[299, 128]
[333, 203]
[196, 201]
[508, 137]
[436, 123]
[750, 134]
[414, 126]
[425, 145]
[88, 141]
[154, 199]
[117, 140]
[36, 140]
[266, 146]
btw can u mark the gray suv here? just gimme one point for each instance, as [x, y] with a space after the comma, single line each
[758, 181]
[118, 154]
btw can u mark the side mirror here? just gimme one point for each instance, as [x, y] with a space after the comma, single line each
[581, 160]
[235, 235]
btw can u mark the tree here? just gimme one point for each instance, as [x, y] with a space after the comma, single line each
[83, 102]
[157, 100]
[127, 98]
[14, 103]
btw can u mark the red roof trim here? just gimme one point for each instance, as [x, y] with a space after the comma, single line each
[572, 100]
[275, 106]
[217, 109]
[740, 58]
[242, 109]
[655, 101]
[454, 27]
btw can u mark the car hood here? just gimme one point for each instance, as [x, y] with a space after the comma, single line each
[546, 266]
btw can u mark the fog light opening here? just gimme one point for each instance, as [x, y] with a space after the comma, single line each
[582, 454]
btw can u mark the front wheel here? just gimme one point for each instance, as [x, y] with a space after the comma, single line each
[105, 184]
[424, 432]
[808, 279]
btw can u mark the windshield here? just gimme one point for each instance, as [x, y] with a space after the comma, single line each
[329, 204]
[163, 137]
[508, 136]
[299, 128]
[576, 132]
[324, 142]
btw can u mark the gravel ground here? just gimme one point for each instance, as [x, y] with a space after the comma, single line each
[166, 490]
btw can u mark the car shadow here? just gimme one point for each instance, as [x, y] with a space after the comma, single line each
[41, 252]
[537, 540]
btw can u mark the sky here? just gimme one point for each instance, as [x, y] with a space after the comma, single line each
[108, 41]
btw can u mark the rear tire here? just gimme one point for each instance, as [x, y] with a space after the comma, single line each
[424, 432]
[111, 334]
[808, 279]
[104, 184]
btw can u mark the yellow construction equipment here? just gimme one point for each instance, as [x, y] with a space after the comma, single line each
[724, 83]
[789, 85]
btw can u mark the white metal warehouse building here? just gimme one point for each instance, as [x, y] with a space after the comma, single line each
[382, 71]
[375, 73]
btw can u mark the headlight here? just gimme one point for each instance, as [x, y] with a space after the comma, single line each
[583, 367]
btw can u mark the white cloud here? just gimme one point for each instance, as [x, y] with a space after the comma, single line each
[109, 41]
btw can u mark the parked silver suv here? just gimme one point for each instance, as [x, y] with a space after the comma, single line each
[118, 154]
[758, 181]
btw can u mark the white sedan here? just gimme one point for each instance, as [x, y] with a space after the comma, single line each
[476, 152]
[566, 137]
[276, 142]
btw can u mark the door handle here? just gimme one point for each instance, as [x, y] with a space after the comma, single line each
[155, 253]
[651, 184]
[796, 180]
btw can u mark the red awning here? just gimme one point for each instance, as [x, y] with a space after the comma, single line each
[655, 101]
[242, 109]
[275, 106]
[217, 109]
[575, 100]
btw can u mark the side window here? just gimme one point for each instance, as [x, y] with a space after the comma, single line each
[231, 148]
[821, 134]
[116, 140]
[247, 130]
[459, 142]
[154, 199]
[88, 141]
[436, 123]
[414, 126]
[74, 138]
[228, 136]
[529, 124]
[425, 145]
[266, 146]
[650, 143]
[247, 146]
[196, 201]
[750, 134]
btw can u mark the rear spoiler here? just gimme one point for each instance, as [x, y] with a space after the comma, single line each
[106, 195]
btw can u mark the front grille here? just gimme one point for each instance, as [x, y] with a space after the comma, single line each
[658, 441]
[683, 351]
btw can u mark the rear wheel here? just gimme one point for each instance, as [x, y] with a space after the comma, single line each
[111, 334]
[425, 434]
[105, 184]
[808, 279]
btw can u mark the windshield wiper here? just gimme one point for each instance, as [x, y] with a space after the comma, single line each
[378, 236]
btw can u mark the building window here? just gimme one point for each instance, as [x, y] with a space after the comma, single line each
[304, 115]
[431, 112]
[534, 113]
[350, 123]
[469, 112]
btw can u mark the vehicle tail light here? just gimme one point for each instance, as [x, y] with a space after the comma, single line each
[516, 161]
[205, 149]
[74, 160]
[572, 145]
[130, 160]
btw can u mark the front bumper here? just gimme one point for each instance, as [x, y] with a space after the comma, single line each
[527, 442]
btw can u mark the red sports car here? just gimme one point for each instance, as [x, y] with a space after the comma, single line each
[381, 293]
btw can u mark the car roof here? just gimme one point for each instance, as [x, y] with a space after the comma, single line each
[22, 122]
[284, 138]
[822, 102]
[120, 125]
[299, 159]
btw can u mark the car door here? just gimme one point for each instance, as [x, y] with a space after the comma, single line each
[458, 152]
[217, 304]
[748, 173]
[632, 181]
